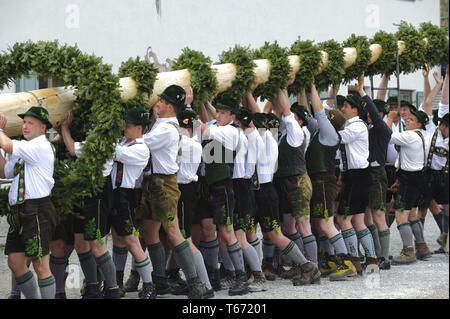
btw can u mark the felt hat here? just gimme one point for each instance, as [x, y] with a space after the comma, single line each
[138, 116]
[407, 103]
[340, 100]
[38, 112]
[392, 100]
[301, 112]
[244, 115]
[226, 103]
[422, 117]
[260, 120]
[186, 118]
[175, 95]
[273, 121]
[356, 101]
[336, 117]
[381, 106]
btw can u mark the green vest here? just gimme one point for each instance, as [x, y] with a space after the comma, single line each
[217, 171]
[320, 158]
[291, 160]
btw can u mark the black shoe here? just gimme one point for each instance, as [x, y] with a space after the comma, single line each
[111, 293]
[441, 250]
[178, 286]
[209, 293]
[214, 278]
[119, 278]
[161, 284]
[384, 264]
[241, 285]
[196, 288]
[148, 291]
[92, 291]
[14, 296]
[60, 295]
[132, 283]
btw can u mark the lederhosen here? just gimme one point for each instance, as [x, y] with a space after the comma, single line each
[412, 184]
[437, 180]
[356, 183]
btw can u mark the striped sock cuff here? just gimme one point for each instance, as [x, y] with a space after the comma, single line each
[294, 236]
[46, 282]
[372, 228]
[404, 224]
[255, 243]
[267, 242]
[348, 233]
[323, 238]
[363, 233]
[182, 246]
[384, 233]
[85, 256]
[120, 250]
[210, 244]
[309, 239]
[234, 248]
[414, 222]
[24, 278]
[58, 260]
[143, 263]
[153, 247]
[103, 258]
[288, 249]
[335, 238]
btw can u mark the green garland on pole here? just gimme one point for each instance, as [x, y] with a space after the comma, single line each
[203, 78]
[335, 71]
[310, 60]
[436, 48]
[241, 57]
[386, 62]
[97, 110]
[362, 45]
[279, 70]
[413, 57]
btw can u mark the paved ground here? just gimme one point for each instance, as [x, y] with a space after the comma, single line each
[421, 280]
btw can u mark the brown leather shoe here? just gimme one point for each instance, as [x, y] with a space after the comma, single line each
[269, 271]
[407, 256]
[356, 261]
[422, 250]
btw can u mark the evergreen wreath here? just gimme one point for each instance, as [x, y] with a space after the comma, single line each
[413, 57]
[386, 62]
[97, 112]
[335, 71]
[203, 77]
[310, 60]
[436, 48]
[241, 57]
[362, 45]
[279, 70]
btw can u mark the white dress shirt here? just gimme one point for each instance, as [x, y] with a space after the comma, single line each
[134, 156]
[39, 159]
[191, 156]
[267, 164]
[241, 155]
[293, 130]
[163, 140]
[307, 136]
[411, 152]
[255, 152]
[443, 109]
[78, 148]
[355, 136]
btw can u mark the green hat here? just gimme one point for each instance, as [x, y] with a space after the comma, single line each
[175, 95]
[444, 120]
[340, 100]
[435, 117]
[138, 116]
[301, 112]
[259, 120]
[440, 120]
[244, 115]
[392, 100]
[336, 117]
[407, 103]
[186, 118]
[273, 121]
[356, 101]
[422, 117]
[226, 103]
[381, 106]
[40, 113]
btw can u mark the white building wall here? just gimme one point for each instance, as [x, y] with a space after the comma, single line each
[118, 29]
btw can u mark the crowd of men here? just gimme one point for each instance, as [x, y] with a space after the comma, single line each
[195, 191]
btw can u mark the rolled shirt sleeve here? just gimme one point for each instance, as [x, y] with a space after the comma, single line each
[294, 132]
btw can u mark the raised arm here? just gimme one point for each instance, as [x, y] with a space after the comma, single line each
[5, 142]
[381, 94]
[427, 105]
[426, 82]
[444, 98]
[66, 135]
[251, 103]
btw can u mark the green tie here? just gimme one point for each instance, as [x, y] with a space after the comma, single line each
[19, 168]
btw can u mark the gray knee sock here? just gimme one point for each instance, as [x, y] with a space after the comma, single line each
[158, 258]
[89, 267]
[268, 249]
[47, 286]
[236, 256]
[58, 269]
[257, 245]
[366, 241]
[171, 262]
[351, 242]
[201, 269]
[252, 259]
[15, 291]
[445, 223]
[326, 246]
[226, 260]
[120, 257]
[211, 253]
[144, 270]
[417, 229]
[106, 265]
[385, 237]
[376, 240]
[310, 244]
[406, 234]
[439, 218]
[339, 244]
[27, 285]
[293, 252]
[185, 258]
[297, 239]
